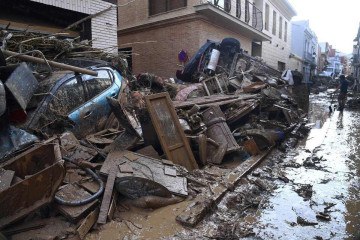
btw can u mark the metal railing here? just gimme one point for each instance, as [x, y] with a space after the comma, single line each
[309, 57]
[244, 10]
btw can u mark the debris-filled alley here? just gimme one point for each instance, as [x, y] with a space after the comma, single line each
[228, 147]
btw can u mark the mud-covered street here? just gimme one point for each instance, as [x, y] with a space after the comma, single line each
[307, 192]
[318, 196]
[330, 171]
[176, 119]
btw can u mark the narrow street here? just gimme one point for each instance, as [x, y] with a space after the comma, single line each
[177, 119]
[333, 179]
[321, 199]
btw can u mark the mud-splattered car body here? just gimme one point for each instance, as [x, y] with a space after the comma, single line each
[75, 102]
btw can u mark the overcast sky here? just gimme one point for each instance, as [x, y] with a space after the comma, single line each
[333, 21]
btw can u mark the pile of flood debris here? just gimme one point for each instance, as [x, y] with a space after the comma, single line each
[191, 138]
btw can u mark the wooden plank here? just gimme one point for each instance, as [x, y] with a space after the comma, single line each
[87, 224]
[72, 192]
[112, 207]
[149, 151]
[90, 186]
[105, 204]
[203, 204]
[47, 173]
[24, 227]
[203, 100]
[169, 131]
[6, 177]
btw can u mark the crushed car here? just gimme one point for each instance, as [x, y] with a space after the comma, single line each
[76, 102]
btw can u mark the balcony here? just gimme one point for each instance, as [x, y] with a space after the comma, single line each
[240, 16]
[308, 57]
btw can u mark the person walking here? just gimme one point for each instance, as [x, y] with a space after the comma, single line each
[343, 87]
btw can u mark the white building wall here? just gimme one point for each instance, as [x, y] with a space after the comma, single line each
[278, 49]
[298, 40]
[103, 27]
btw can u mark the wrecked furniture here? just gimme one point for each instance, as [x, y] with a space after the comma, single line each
[218, 130]
[214, 85]
[169, 130]
[39, 172]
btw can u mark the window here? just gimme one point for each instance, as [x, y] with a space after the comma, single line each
[267, 16]
[274, 23]
[160, 6]
[285, 32]
[227, 5]
[247, 11]
[238, 8]
[281, 66]
[68, 97]
[96, 85]
[280, 27]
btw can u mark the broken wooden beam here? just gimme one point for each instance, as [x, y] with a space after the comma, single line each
[72, 192]
[106, 201]
[51, 63]
[87, 224]
[203, 203]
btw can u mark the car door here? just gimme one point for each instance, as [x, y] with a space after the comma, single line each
[63, 100]
[92, 115]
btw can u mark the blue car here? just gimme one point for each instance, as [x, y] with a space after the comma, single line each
[75, 102]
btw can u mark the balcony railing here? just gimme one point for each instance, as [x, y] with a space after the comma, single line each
[244, 10]
[309, 57]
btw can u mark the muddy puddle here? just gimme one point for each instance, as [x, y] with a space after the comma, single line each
[329, 168]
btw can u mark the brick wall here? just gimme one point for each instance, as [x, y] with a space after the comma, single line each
[216, 33]
[103, 27]
[137, 13]
[160, 57]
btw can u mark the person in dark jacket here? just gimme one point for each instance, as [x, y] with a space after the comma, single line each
[343, 87]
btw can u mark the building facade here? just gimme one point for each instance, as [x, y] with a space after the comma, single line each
[304, 46]
[325, 51]
[355, 65]
[53, 16]
[277, 16]
[153, 32]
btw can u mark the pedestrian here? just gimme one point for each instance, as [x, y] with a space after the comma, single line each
[343, 87]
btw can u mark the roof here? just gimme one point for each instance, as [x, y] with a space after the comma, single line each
[285, 8]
